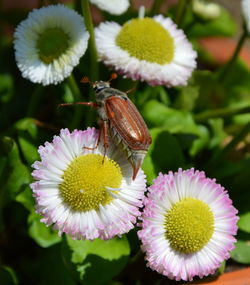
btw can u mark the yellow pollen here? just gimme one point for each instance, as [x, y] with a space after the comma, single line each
[147, 40]
[189, 225]
[85, 181]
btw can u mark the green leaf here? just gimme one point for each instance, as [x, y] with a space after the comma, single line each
[14, 174]
[29, 125]
[201, 141]
[46, 267]
[218, 132]
[28, 147]
[6, 87]
[148, 168]
[176, 122]
[187, 97]
[107, 258]
[241, 253]
[7, 276]
[67, 94]
[43, 235]
[205, 81]
[26, 199]
[27, 136]
[166, 152]
[244, 222]
[224, 25]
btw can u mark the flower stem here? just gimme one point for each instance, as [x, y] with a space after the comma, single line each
[223, 152]
[34, 100]
[156, 7]
[235, 55]
[93, 52]
[221, 113]
[180, 13]
[77, 98]
[94, 69]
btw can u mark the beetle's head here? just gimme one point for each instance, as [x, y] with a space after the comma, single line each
[100, 85]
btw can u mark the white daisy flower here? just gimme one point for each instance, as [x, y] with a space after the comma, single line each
[150, 49]
[188, 225]
[246, 13]
[49, 44]
[115, 7]
[83, 194]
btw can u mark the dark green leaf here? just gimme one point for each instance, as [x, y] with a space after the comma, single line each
[7, 276]
[14, 176]
[107, 258]
[6, 87]
[166, 153]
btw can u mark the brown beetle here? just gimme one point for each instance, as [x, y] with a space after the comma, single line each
[120, 120]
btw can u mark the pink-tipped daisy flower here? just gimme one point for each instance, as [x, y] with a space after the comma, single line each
[188, 225]
[147, 49]
[83, 194]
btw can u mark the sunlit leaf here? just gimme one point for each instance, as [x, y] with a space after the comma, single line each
[244, 222]
[241, 253]
[43, 235]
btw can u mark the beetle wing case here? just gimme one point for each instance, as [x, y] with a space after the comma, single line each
[127, 122]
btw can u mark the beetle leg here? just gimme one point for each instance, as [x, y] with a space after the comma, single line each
[105, 138]
[91, 104]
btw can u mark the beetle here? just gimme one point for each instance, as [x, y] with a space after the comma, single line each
[120, 120]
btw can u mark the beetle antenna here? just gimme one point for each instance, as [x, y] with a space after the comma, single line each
[85, 79]
[113, 76]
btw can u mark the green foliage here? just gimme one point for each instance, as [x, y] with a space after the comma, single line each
[224, 25]
[14, 175]
[241, 253]
[85, 258]
[44, 236]
[7, 275]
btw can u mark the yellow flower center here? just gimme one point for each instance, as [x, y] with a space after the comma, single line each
[52, 43]
[147, 40]
[85, 180]
[189, 225]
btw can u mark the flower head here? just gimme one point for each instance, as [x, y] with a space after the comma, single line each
[115, 7]
[150, 49]
[187, 225]
[82, 193]
[49, 44]
[246, 13]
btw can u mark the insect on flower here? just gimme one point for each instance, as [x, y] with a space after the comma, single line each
[119, 120]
